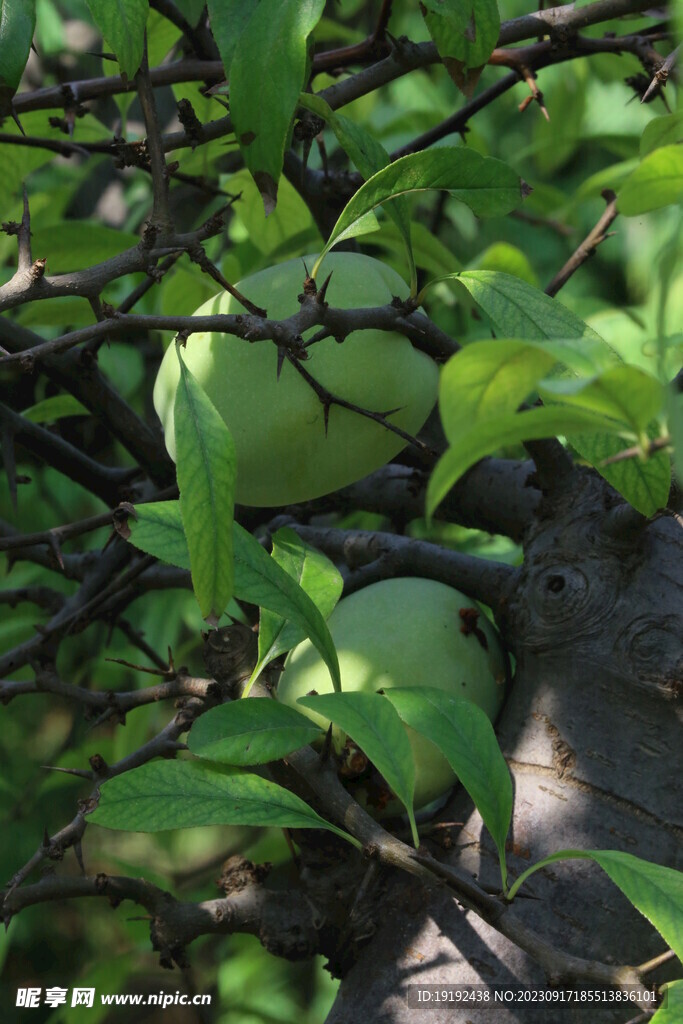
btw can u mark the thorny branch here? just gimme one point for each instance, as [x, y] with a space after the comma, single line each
[110, 579]
[175, 925]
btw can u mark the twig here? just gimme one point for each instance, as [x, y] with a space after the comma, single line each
[590, 243]
[106, 482]
[660, 77]
[161, 215]
[79, 374]
[287, 333]
[56, 533]
[24, 260]
[636, 452]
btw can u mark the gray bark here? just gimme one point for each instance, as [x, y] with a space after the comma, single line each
[589, 731]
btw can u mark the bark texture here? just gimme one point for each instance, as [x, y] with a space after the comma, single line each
[594, 620]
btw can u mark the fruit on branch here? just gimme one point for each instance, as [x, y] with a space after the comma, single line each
[283, 453]
[403, 632]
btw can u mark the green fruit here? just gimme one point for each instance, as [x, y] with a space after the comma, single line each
[405, 632]
[283, 455]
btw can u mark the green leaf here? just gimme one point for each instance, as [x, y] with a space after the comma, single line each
[290, 218]
[55, 408]
[17, 25]
[369, 156]
[266, 76]
[374, 725]
[657, 182]
[465, 736]
[488, 186]
[507, 259]
[656, 891]
[261, 581]
[206, 469]
[645, 483]
[514, 307]
[228, 20]
[672, 1010]
[488, 379]
[465, 33]
[162, 35]
[158, 530]
[512, 428]
[247, 732]
[78, 244]
[122, 23]
[429, 252]
[192, 9]
[316, 575]
[518, 310]
[624, 393]
[164, 795]
[492, 378]
[662, 131]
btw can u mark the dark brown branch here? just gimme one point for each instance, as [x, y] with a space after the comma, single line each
[89, 283]
[110, 483]
[287, 922]
[286, 333]
[589, 245]
[384, 555]
[43, 597]
[109, 702]
[74, 614]
[494, 496]
[57, 534]
[661, 75]
[25, 260]
[78, 373]
[161, 215]
[202, 47]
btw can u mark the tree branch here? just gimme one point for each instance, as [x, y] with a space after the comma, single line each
[384, 555]
[593, 239]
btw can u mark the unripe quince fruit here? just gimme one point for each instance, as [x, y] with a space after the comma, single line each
[283, 454]
[405, 632]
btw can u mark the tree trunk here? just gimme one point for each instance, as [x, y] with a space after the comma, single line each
[594, 620]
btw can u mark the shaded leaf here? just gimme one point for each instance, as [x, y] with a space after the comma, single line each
[206, 468]
[247, 732]
[374, 725]
[55, 408]
[518, 310]
[158, 530]
[662, 131]
[654, 890]
[261, 581]
[316, 575]
[228, 20]
[17, 25]
[645, 483]
[266, 76]
[465, 736]
[656, 182]
[512, 428]
[164, 795]
[369, 156]
[465, 33]
[122, 23]
[624, 393]
[488, 186]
